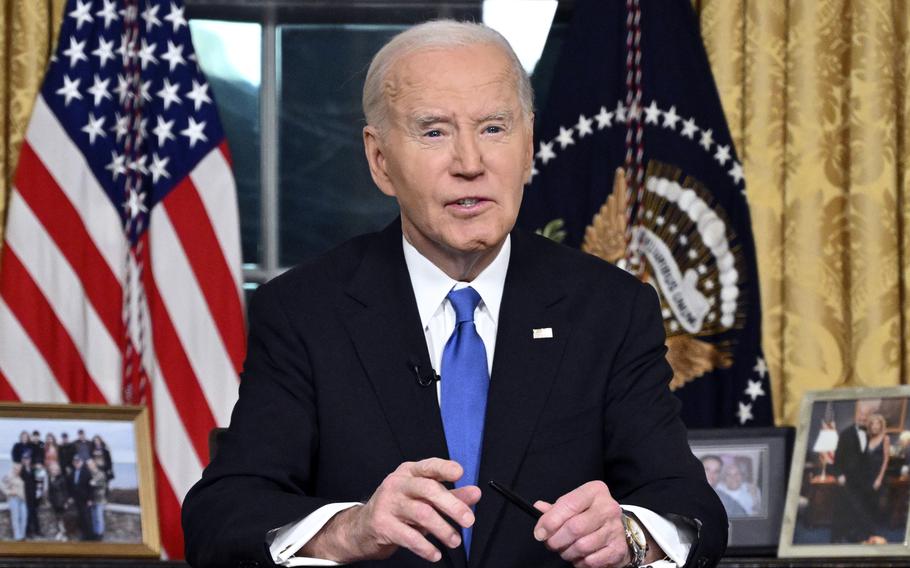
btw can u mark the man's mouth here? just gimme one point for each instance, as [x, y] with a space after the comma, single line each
[468, 202]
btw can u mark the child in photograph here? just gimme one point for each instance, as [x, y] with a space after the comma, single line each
[57, 497]
[98, 483]
[14, 488]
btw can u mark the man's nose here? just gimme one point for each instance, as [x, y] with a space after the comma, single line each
[467, 160]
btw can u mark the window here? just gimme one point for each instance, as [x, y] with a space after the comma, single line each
[287, 77]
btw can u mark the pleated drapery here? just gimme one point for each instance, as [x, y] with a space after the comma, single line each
[815, 92]
[28, 34]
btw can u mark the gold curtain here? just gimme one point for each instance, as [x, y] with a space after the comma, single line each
[28, 34]
[816, 95]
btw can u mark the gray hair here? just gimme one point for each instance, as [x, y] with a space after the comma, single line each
[436, 34]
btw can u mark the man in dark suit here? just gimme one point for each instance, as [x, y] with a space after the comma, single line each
[851, 521]
[66, 452]
[375, 462]
[30, 478]
[80, 493]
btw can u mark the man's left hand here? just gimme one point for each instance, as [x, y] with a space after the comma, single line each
[585, 527]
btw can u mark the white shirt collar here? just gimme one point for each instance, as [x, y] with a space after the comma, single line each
[431, 285]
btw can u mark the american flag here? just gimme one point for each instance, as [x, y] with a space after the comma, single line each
[120, 277]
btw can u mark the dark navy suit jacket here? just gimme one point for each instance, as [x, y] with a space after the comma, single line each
[329, 404]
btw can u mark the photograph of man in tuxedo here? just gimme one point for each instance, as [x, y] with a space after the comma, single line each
[552, 382]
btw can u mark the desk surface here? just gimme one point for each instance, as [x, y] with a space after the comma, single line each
[726, 563]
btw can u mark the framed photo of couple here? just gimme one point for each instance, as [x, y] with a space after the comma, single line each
[849, 485]
[76, 480]
[747, 467]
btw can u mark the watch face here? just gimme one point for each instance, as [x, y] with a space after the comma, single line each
[634, 528]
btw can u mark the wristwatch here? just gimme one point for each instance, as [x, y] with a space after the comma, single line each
[635, 538]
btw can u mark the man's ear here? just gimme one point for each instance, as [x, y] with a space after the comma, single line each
[529, 152]
[375, 152]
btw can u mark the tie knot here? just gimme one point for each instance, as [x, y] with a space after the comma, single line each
[465, 302]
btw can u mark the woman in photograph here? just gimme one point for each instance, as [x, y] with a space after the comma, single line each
[102, 456]
[98, 483]
[57, 496]
[51, 451]
[20, 447]
[878, 449]
[14, 488]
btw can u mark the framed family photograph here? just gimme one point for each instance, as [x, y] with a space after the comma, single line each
[748, 470]
[849, 487]
[76, 480]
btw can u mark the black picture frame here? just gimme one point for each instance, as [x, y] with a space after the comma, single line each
[762, 457]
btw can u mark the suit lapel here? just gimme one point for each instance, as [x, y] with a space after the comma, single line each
[384, 324]
[524, 369]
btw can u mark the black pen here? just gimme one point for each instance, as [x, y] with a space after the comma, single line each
[519, 502]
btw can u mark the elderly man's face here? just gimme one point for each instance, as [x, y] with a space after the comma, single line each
[456, 150]
[733, 477]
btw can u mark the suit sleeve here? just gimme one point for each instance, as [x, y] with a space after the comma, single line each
[648, 462]
[261, 478]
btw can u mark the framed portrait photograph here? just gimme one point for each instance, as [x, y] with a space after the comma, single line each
[747, 468]
[76, 480]
[849, 486]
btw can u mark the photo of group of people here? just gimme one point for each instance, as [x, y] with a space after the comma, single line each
[64, 480]
[736, 476]
[854, 483]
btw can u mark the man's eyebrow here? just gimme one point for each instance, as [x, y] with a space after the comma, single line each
[424, 120]
[499, 115]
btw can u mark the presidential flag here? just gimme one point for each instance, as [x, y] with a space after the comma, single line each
[633, 90]
[120, 277]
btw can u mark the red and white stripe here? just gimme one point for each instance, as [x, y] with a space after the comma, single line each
[61, 296]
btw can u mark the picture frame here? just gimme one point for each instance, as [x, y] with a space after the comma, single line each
[747, 467]
[849, 486]
[77, 480]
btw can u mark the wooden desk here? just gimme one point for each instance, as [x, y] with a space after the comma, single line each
[896, 501]
[822, 496]
[726, 563]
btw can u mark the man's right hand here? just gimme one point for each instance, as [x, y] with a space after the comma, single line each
[409, 504]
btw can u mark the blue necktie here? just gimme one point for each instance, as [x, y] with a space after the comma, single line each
[465, 380]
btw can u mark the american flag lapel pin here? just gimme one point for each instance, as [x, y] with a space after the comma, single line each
[542, 333]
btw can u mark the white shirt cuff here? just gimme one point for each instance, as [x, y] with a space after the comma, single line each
[287, 540]
[675, 539]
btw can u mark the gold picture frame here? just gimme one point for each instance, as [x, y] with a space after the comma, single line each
[849, 486]
[113, 513]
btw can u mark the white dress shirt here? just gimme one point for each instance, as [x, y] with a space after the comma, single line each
[437, 316]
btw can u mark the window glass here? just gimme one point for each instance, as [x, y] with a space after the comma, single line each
[326, 194]
[324, 191]
[230, 54]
